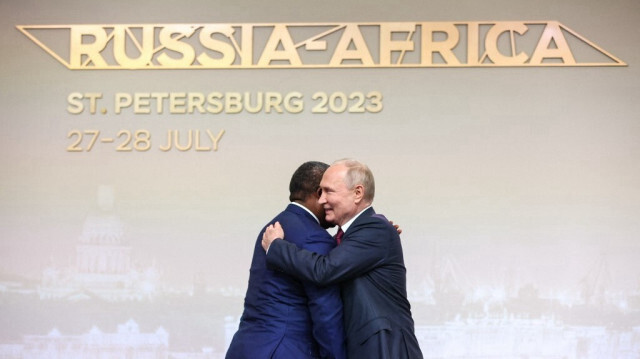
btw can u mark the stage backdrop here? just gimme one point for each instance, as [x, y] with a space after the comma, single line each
[143, 148]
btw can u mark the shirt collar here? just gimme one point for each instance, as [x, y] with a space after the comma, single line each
[346, 225]
[306, 209]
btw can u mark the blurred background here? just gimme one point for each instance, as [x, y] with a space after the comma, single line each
[517, 188]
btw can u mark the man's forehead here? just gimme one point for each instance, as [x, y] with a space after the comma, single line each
[329, 177]
[336, 170]
[333, 173]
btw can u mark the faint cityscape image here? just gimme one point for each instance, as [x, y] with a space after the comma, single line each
[106, 305]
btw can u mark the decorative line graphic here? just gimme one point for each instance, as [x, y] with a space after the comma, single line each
[318, 45]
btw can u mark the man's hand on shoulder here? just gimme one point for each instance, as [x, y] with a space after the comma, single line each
[397, 227]
[271, 233]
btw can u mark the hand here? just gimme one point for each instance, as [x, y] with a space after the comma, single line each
[272, 232]
[397, 227]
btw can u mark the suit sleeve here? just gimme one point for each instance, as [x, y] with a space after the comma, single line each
[363, 249]
[325, 306]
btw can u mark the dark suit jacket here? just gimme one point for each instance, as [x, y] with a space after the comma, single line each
[369, 264]
[284, 317]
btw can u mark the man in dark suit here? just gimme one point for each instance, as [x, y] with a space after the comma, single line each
[368, 264]
[287, 318]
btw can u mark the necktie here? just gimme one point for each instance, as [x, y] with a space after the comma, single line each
[339, 235]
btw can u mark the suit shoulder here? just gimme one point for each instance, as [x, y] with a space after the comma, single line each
[375, 223]
[300, 228]
[291, 216]
[376, 220]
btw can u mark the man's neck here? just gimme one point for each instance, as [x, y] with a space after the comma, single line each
[347, 224]
[301, 204]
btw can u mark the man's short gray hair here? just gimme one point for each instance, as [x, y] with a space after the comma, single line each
[359, 174]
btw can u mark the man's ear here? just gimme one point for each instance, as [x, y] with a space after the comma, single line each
[359, 193]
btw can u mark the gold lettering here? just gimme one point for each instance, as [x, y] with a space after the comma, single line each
[120, 35]
[444, 48]
[122, 100]
[198, 147]
[472, 43]
[195, 100]
[552, 33]
[360, 52]
[160, 97]
[272, 100]
[76, 106]
[491, 43]
[189, 144]
[224, 49]
[253, 108]
[233, 102]
[169, 145]
[141, 103]
[215, 139]
[215, 105]
[246, 51]
[280, 37]
[293, 102]
[177, 102]
[80, 49]
[171, 42]
[334, 45]
[388, 45]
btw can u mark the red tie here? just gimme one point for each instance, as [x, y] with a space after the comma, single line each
[339, 235]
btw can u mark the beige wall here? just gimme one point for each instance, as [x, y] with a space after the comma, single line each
[517, 188]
